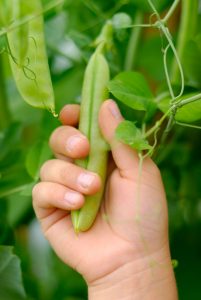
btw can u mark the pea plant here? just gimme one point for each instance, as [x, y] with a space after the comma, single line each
[145, 54]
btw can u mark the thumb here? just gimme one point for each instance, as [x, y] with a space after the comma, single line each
[125, 157]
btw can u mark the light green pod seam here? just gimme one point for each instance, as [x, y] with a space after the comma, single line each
[94, 92]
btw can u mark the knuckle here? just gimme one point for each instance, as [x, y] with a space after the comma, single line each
[43, 192]
[40, 190]
[55, 135]
[35, 191]
[44, 170]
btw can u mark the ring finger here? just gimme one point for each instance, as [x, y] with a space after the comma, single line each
[71, 176]
[48, 195]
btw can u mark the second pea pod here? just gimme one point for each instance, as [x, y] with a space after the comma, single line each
[94, 92]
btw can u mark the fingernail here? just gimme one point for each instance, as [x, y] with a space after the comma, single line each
[73, 142]
[85, 179]
[115, 110]
[72, 198]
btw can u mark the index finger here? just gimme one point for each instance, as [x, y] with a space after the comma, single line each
[70, 114]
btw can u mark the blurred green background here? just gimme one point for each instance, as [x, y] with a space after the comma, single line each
[70, 29]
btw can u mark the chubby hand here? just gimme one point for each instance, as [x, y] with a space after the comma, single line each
[130, 232]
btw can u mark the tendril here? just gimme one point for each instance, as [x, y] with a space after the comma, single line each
[26, 70]
[166, 72]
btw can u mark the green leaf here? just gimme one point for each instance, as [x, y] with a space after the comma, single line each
[37, 155]
[13, 175]
[19, 207]
[188, 113]
[150, 58]
[129, 134]
[3, 221]
[11, 286]
[132, 89]
[9, 140]
[192, 62]
[6, 233]
[13, 179]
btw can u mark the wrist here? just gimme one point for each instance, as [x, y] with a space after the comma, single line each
[146, 278]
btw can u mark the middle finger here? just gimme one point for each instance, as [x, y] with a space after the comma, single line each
[69, 141]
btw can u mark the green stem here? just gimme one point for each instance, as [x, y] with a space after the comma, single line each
[105, 38]
[4, 110]
[173, 109]
[177, 60]
[187, 101]
[188, 125]
[171, 11]
[186, 32]
[169, 126]
[154, 9]
[133, 43]
[158, 124]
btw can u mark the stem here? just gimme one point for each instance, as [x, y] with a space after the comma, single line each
[187, 101]
[105, 37]
[188, 125]
[154, 9]
[177, 61]
[171, 11]
[174, 108]
[186, 32]
[169, 126]
[133, 43]
[158, 123]
[166, 72]
[139, 25]
[4, 110]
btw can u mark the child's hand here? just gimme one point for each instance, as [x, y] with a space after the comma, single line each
[127, 247]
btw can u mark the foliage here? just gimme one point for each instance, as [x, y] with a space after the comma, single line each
[11, 277]
[159, 95]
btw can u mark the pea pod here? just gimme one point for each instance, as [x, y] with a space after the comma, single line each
[94, 91]
[28, 58]
[5, 13]
[21, 40]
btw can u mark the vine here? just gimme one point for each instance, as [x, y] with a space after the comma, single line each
[175, 102]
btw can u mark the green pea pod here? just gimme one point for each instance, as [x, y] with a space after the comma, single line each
[20, 8]
[28, 57]
[5, 13]
[94, 92]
